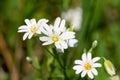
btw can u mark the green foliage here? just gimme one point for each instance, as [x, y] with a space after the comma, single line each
[101, 22]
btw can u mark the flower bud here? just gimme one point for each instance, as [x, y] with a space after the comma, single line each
[109, 67]
[116, 77]
[29, 59]
[94, 44]
[71, 28]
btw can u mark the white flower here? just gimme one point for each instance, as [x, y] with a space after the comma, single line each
[57, 34]
[32, 27]
[74, 17]
[87, 65]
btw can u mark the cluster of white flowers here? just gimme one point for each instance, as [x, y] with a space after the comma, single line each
[56, 34]
[62, 38]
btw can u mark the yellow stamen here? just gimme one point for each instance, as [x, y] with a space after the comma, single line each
[33, 28]
[55, 38]
[88, 66]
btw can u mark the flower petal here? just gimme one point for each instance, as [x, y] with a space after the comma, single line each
[30, 35]
[48, 42]
[38, 31]
[94, 71]
[72, 42]
[84, 57]
[44, 31]
[67, 35]
[27, 21]
[89, 56]
[25, 36]
[57, 44]
[97, 65]
[48, 29]
[78, 69]
[90, 75]
[63, 44]
[44, 38]
[42, 22]
[23, 27]
[83, 73]
[78, 62]
[62, 25]
[95, 59]
[33, 21]
[56, 23]
[23, 30]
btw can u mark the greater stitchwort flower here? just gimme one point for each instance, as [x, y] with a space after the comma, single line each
[74, 17]
[58, 35]
[32, 27]
[87, 65]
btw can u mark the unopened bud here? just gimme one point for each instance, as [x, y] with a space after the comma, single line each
[109, 67]
[94, 44]
[71, 29]
[29, 59]
[116, 77]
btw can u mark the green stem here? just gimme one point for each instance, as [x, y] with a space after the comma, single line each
[57, 58]
[50, 52]
[79, 77]
[63, 67]
[37, 69]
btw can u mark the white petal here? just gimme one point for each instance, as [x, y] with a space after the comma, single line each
[83, 73]
[30, 35]
[78, 69]
[48, 29]
[78, 62]
[67, 35]
[95, 59]
[38, 31]
[25, 36]
[72, 42]
[56, 23]
[44, 31]
[90, 75]
[89, 56]
[23, 30]
[62, 25]
[63, 44]
[97, 65]
[94, 71]
[84, 57]
[27, 21]
[41, 22]
[48, 42]
[33, 21]
[60, 50]
[23, 27]
[59, 47]
[44, 38]
[57, 44]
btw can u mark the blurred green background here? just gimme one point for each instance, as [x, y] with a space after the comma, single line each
[100, 21]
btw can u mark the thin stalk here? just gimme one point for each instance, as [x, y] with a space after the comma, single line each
[37, 69]
[63, 67]
[50, 52]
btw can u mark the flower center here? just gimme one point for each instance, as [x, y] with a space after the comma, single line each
[33, 28]
[88, 66]
[55, 38]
